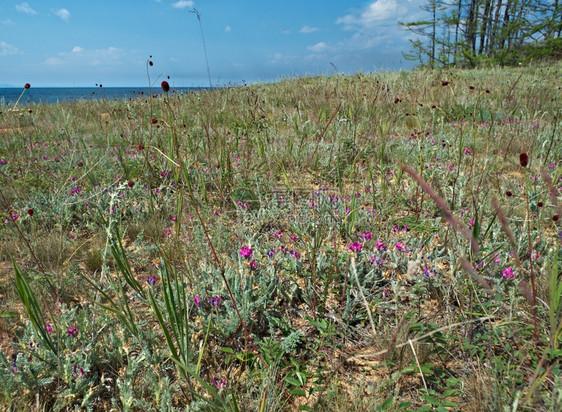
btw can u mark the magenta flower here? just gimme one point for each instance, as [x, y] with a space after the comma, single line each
[72, 331]
[508, 273]
[401, 246]
[356, 247]
[246, 252]
[367, 235]
[49, 328]
[78, 372]
[381, 246]
[253, 264]
[219, 383]
[197, 301]
[216, 301]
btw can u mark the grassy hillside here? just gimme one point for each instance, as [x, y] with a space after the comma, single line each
[377, 242]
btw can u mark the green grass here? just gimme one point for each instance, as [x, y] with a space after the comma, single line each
[385, 214]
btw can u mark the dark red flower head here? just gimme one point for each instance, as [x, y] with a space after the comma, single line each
[131, 184]
[555, 218]
[27, 86]
[524, 159]
[444, 83]
[30, 212]
[165, 86]
[154, 120]
[150, 63]
[508, 193]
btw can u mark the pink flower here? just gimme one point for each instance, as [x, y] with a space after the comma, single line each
[49, 328]
[246, 252]
[401, 246]
[508, 273]
[356, 247]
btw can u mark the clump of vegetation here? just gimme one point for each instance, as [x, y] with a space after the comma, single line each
[388, 241]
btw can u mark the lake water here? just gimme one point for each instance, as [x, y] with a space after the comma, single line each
[52, 95]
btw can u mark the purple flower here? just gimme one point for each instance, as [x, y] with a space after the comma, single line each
[151, 280]
[215, 301]
[49, 328]
[376, 261]
[197, 301]
[270, 252]
[253, 264]
[381, 246]
[356, 247]
[367, 235]
[219, 383]
[401, 246]
[295, 254]
[246, 252]
[508, 273]
[78, 372]
[72, 331]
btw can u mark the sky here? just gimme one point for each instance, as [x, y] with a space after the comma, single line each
[81, 43]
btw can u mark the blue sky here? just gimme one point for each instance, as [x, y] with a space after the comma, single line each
[83, 42]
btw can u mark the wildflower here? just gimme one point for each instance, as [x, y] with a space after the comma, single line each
[150, 63]
[367, 235]
[151, 280]
[215, 301]
[253, 264]
[445, 83]
[14, 368]
[429, 273]
[278, 234]
[508, 273]
[154, 120]
[197, 301]
[130, 183]
[552, 165]
[78, 372]
[467, 151]
[270, 252]
[49, 328]
[524, 159]
[356, 247]
[219, 384]
[30, 212]
[246, 252]
[165, 86]
[27, 86]
[555, 218]
[401, 246]
[508, 193]
[381, 246]
[376, 261]
[72, 331]
[295, 254]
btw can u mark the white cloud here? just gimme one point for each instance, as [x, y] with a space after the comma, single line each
[7, 49]
[64, 14]
[8, 22]
[308, 29]
[375, 13]
[318, 47]
[228, 29]
[182, 4]
[25, 8]
[110, 56]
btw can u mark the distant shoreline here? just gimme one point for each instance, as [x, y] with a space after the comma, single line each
[54, 95]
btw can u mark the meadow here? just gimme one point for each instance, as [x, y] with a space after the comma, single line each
[376, 242]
